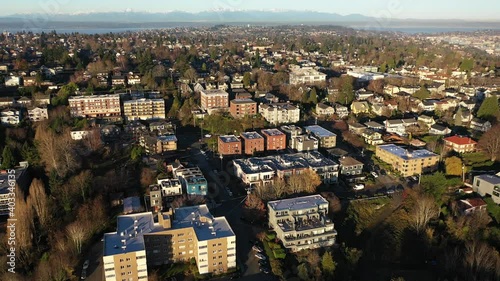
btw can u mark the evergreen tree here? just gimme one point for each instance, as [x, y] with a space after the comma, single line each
[303, 273]
[8, 160]
[313, 97]
[458, 117]
[489, 109]
[247, 79]
[328, 264]
[422, 94]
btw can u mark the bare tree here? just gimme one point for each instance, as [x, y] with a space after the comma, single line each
[424, 209]
[481, 261]
[490, 142]
[77, 233]
[83, 182]
[40, 202]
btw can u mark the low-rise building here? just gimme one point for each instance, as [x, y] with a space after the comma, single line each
[357, 128]
[262, 170]
[241, 107]
[229, 145]
[324, 110]
[38, 113]
[326, 138]
[154, 144]
[488, 185]
[460, 144]
[11, 117]
[471, 205]
[372, 137]
[406, 161]
[350, 166]
[306, 75]
[439, 130]
[192, 180]
[274, 139]
[359, 107]
[291, 131]
[252, 142]
[80, 134]
[98, 106]
[302, 223]
[214, 100]
[165, 188]
[144, 109]
[280, 113]
[477, 124]
[304, 143]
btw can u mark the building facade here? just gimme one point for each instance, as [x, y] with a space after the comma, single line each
[407, 162]
[214, 99]
[98, 106]
[488, 185]
[144, 109]
[280, 113]
[37, 114]
[326, 138]
[306, 76]
[302, 223]
[229, 145]
[460, 144]
[241, 107]
[274, 139]
[252, 142]
[350, 166]
[192, 180]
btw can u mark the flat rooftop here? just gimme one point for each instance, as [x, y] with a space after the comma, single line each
[205, 225]
[299, 203]
[168, 138]
[319, 131]
[229, 139]
[251, 135]
[492, 179]
[243, 101]
[272, 132]
[214, 92]
[4, 179]
[405, 153]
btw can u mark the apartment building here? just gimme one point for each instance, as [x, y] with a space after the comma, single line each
[229, 145]
[306, 75]
[192, 180]
[98, 106]
[241, 107]
[350, 166]
[144, 109]
[407, 162]
[165, 188]
[38, 113]
[302, 223]
[262, 170]
[291, 131]
[488, 185]
[398, 126]
[304, 143]
[192, 233]
[274, 139]
[252, 142]
[280, 113]
[158, 144]
[11, 117]
[213, 100]
[326, 138]
[460, 144]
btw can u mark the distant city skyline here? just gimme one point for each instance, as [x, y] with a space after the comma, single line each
[394, 9]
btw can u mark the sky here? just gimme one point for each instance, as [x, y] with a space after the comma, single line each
[415, 9]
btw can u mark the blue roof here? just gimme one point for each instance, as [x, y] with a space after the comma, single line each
[319, 131]
[407, 154]
[205, 225]
[492, 179]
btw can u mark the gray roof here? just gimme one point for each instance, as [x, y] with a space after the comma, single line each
[492, 179]
[373, 124]
[251, 135]
[299, 203]
[319, 131]
[4, 180]
[204, 224]
[407, 154]
[272, 132]
[229, 138]
[243, 101]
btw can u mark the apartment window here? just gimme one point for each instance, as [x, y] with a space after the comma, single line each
[478, 183]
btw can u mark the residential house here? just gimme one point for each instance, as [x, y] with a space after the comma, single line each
[363, 94]
[324, 110]
[427, 120]
[110, 132]
[192, 180]
[7, 102]
[164, 190]
[38, 113]
[439, 130]
[469, 104]
[135, 129]
[341, 111]
[372, 137]
[357, 128]
[154, 144]
[306, 75]
[350, 166]
[488, 185]
[326, 138]
[471, 205]
[477, 124]
[80, 134]
[302, 223]
[119, 80]
[291, 131]
[304, 143]
[359, 107]
[133, 79]
[460, 144]
[374, 126]
[11, 116]
[12, 81]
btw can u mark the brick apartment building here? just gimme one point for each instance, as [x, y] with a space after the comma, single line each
[252, 142]
[213, 100]
[229, 145]
[98, 106]
[274, 139]
[241, 107]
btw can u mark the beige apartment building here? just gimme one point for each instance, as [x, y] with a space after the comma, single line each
[302, 223]
[408, 162]
[98, 106]
[144, 109]
[187, 233]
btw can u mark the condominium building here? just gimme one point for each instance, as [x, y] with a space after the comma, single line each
[302, 223]
[262, 170]
[460, 144]
[241, 107]
[192, 233]
[229, 145]
[280, 113]
[290, 132]
[144, 109]
[306, 76]
[158, 144]
[326, 138]
[98, 106]
[274, 139]
[165, 188]
[304, 143]
[214, 100]
[488, 185]
[252, 142]
[38, 113]
[192, 180]
[407, 162]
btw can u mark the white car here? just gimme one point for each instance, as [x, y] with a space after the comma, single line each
[359, 186]
[86, 264]
[374, 175]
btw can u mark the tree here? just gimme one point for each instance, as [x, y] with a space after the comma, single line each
[328, 264]
[254, 206]
[453, 166]
[422, 93]
[489, 109]
[247, 79]
[39, 200]
[8, 160]
[458, 117]
[346, 93]
[136, 152]
[77, 233]
[423, 210]
[467, 65]
[490, 143]
[313, 96]
[303, 272]
[191, 74]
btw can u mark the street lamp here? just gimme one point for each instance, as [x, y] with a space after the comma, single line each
[221, 158]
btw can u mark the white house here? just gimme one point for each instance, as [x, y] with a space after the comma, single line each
[10, 117]
[80, 135]
[12, 81]
[37, 114]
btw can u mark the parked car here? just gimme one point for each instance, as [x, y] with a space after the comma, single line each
[257, 249]
[86, 264]
[391, 191]
[84, 274]
[359, 186]
[260, 256]
[374, 174]
[264, 269]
